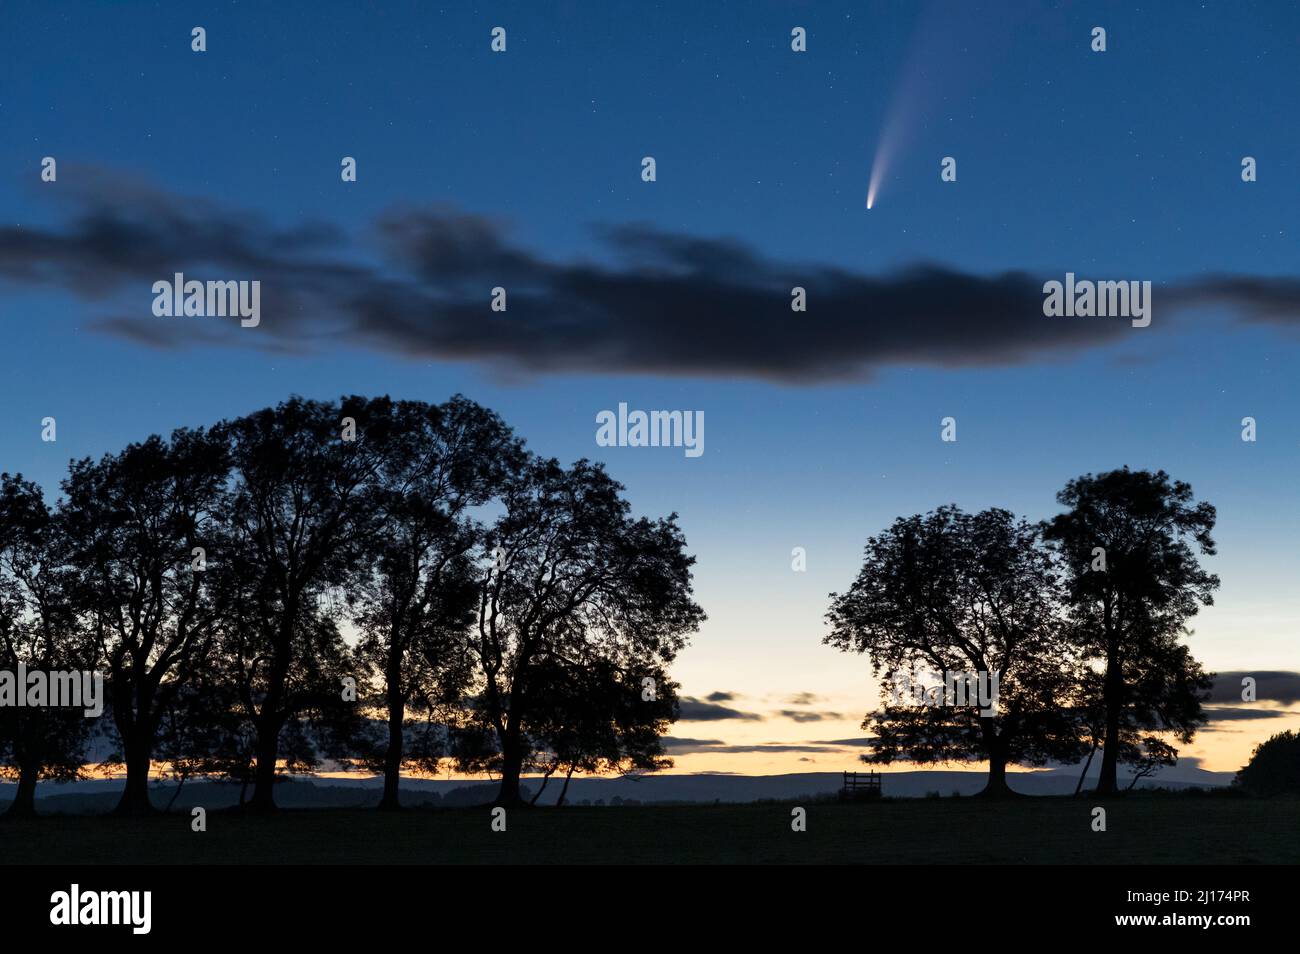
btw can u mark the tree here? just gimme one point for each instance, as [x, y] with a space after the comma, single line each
[963, 595]
[1167, 692]
[299, 527]
[574, 582]
[1128, 542]
[436, 463]
[1149, 757]
[203, 733]
[1274, 767]
[607, 723]
[593, 720]
[38, 629]
[141, 524]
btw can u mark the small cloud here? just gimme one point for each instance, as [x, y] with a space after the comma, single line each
[697, 710]
[772, 748]
[804, 715]
[804, 699]
[865, 741]
[688, 746]
[1235, 714]
[683, 746]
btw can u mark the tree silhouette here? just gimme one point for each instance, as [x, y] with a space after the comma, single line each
[1148, 757]
[135, 519]
[203, 733]
[212, 574]
[38, 628]
[437, 463]
[299, 528]
[606, 723]
[963, 593]
[1274, 767]
[1130, 615]
[594, 720]
[573, 581]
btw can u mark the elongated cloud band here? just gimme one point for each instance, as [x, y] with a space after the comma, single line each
[418, 284]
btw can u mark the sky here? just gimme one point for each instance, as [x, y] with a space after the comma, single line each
[523, 169]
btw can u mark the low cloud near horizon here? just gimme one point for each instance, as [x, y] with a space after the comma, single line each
[417, 284]
[683, 746]
[691, 709]
[1271, 686]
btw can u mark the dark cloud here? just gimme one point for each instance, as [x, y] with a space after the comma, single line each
[1258, 300]
[1230, 714]
[680, 746]
[655, 302]
[865, 741]
[1270, 686]
[805, 715]
[804, 699]
[697, 710]
[721, 696]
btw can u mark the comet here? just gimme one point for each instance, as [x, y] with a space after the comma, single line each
[937, 42]
[880, 165]
[899, 125]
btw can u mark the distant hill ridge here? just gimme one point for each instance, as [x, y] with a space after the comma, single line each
[101, 796]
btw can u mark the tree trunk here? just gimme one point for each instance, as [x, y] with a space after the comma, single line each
[175, 795]
[546, 780]
[565, 791]
[1107, 780]
[271, 719]
[135, 797]
[512, 766]
[1086, 765]
[997, 787]
[267, 750]
[24, 803]
[393, 756]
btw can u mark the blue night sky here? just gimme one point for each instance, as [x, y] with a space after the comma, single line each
[1117, 165]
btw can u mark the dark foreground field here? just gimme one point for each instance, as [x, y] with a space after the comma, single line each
[1140, 830]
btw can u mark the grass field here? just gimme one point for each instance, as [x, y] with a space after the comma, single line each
[1140, 830]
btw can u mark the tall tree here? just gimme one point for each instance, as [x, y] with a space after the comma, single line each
[959, 593]
[142, 525]
[437, 463]
[300, 526]
[574, 581]
[38, 629]
[1129, 543]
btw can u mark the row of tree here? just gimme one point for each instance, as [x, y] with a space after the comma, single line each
[1080, 618]
[387, 584]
